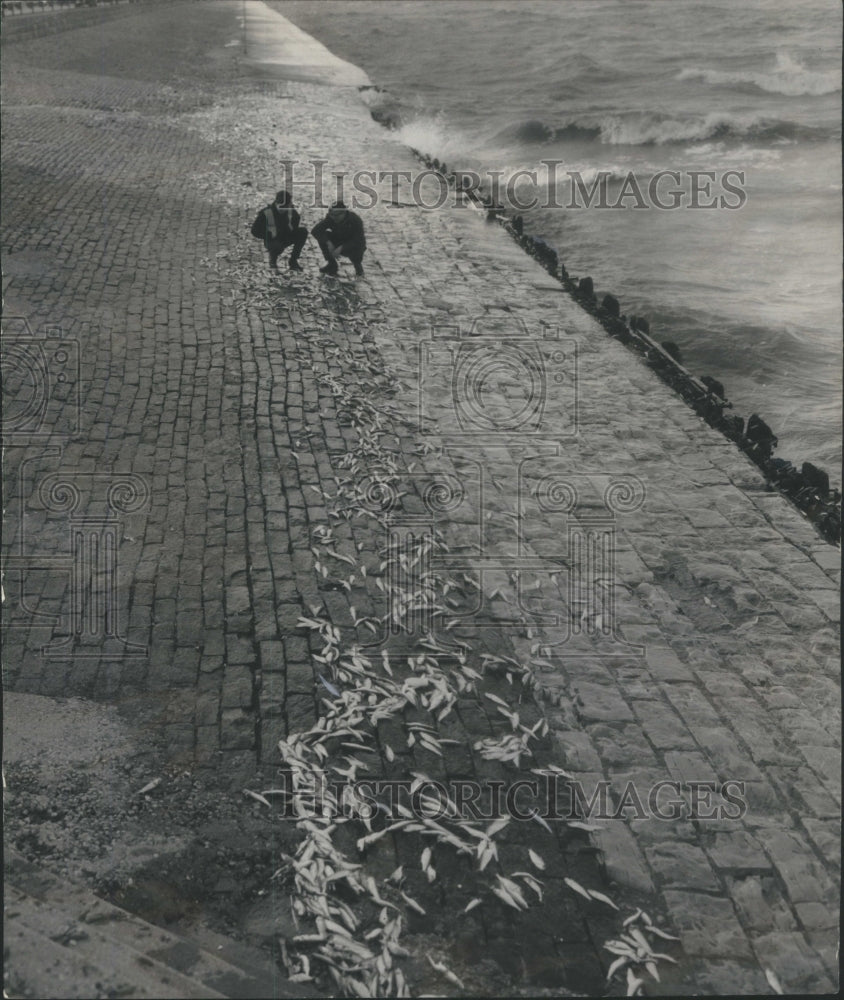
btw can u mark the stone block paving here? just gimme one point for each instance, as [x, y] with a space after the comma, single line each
[683, 622]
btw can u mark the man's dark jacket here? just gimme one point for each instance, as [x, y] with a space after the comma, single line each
[348, 232]
[285, 225]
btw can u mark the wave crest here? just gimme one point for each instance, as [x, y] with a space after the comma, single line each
[656, 130]
[789, 78]
[435, 135]
[534, 131]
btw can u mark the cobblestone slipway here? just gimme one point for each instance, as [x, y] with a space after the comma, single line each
[682, 620]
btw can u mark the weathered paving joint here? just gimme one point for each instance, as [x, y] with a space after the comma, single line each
[419, 642]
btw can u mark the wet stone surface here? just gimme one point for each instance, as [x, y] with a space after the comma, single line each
[197, 385]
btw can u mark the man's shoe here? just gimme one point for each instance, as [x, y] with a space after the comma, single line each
[330, 268]
[294, 265]
[358, 271]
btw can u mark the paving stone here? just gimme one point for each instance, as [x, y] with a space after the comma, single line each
[827, 558]
[826, 835]
[707, 925]
[301, 678]
[296, 648]
[211, 664]
[639, 793]
[682, 866]
[780, 697]
[207, 711]
[207, 741]
[815, 917]
[825, 761]
[806, 728]
[725, 754]
[800, 788]
[827, 943]
[239, 650]
[737, 851]
[237, 689]
[272, 656]
[621, 744]
[828, 600]
[576, 750]
[179, 734]
[760, 903]
[721, 681]
[690, 768]
[599, 703]
[287, 616]
[636, 682]
[756, 804]
[665, 665]
[237, 729]
[273, 688]
[793, 961]
[692, 705]
[270, 737]
[623, 860]
[714, 977]
[655, 830]
[301, 713]
[663, 727]
[796, 865]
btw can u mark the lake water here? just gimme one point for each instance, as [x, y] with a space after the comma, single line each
[752, 295]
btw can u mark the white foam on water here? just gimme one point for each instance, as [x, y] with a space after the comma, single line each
[789, 78]
[273, 41]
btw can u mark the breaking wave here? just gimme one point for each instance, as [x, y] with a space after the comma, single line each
[654, 130]
[789, 78]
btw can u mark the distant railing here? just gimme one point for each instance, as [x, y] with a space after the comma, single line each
[42, 6]
[23, 19]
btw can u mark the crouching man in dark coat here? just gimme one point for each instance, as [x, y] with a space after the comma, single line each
[278, 226]
[340, 234]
